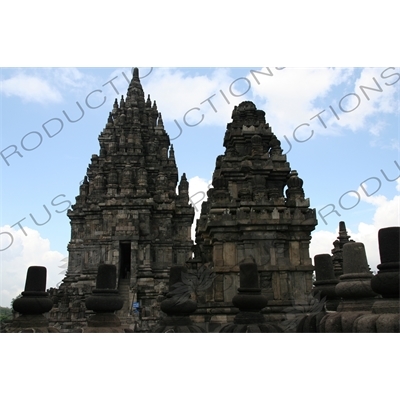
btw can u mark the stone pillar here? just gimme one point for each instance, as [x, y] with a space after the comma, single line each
[33, 304]
[325, 283]
[324, 296]
[337, 251]
[355, 283]
[386, 282]
[385, 317]
[355, 291]
[104, 301]
[250, 302]
[178, 307]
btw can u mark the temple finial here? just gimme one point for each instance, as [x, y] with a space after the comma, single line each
[115, 107]
[172, 153]
[135, 95]
[160, 122]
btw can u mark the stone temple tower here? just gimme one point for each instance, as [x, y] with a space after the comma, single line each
[128, 213]
[255, 211]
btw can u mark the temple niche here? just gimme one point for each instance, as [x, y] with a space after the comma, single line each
[256, 210]
[127, 214]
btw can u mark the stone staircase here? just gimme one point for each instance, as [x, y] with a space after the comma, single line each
[127, 320]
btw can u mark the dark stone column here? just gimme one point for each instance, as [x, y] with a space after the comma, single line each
[354, 288]
[386, 282]
[178, 307]
[325, 283]
[385, 317]
[250, 302]
[33, 304]
[104, 301]
[325, 298]
[355, 284]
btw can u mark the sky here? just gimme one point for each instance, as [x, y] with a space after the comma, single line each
[339, 128]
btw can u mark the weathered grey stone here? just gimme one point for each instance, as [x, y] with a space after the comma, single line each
[33, 303]
[355, 283]
[178, 307]
[385, 316]
[104, 301]
[250, 302]
[325, 283]
[324, 267]
[127, 212]
[387, 281]
[337, 251]
[248, 215]
[354, 288]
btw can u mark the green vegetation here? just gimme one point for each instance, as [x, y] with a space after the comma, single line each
[5, 314]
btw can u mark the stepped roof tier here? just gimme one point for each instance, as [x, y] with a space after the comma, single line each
[256, 209]
[128, 212]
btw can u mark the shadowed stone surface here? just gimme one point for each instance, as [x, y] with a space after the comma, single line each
[256, 209]
[250, 302]
[355, 290]
[386, 282]
[385, 317]
[104, 301]
[325, 283]
[129, 214]
[328, 269]
[178, 309]
[33, 304]
[355, 283]
[337, 251]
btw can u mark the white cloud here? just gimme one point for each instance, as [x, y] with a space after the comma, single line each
[289, 96]
[177, 93]
[366, 193]
[75, 80]
[49, 85]
[31, 89]
[321, 243]
[378, 128]
[71, 77]
[369, 103]
[394, 143]
[198, 188]
[26, 251]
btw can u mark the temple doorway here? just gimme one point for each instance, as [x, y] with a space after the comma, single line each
[124, 259]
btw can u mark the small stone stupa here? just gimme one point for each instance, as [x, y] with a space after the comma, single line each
[250, 302]
[33, 303]
[104, 301]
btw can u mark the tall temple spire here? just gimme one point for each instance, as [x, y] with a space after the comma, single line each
[128, 213]
[248, 215]
[135, 95]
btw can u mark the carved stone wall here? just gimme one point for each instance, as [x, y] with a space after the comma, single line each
[249, 214]
[128, 213]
